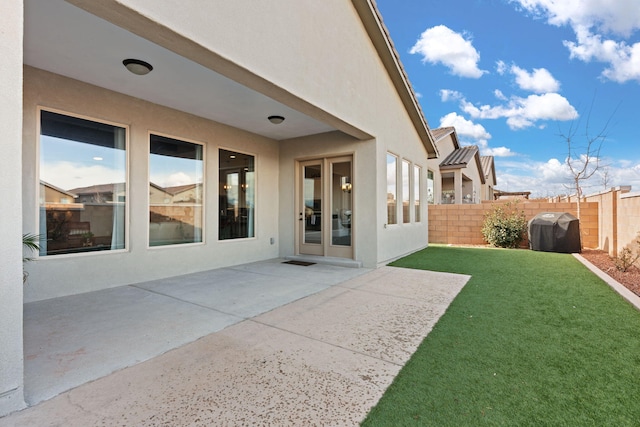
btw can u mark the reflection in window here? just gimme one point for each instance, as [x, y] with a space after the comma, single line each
[405, 192]
[430, 190]
[82, 185]
[416, 191]
[392, 190]
[341, 188]
[237, 195]
[175, 191]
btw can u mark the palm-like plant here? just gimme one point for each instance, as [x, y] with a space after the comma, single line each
[31, 242]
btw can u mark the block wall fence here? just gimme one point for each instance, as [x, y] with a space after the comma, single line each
[619, 221]
[462, 224]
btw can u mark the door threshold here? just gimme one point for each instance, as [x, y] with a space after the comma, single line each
[339, 262]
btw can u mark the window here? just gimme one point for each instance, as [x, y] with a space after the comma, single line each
[406, 185]
[392, 190]
[82, 185]
[175, 191]
[416, 191]
[237, 195]
[430, 189]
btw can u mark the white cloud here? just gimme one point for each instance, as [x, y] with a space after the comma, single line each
[498, 94]
[473, 134]
[619, 17]
[623, 59]
[465, 127]
[501, 67]
[68, 175]
[178, 178]
[497, 152]
[450, 95]
[525, 112]
[590, 20]
[441, 45]
[538, 81]
[552, 178]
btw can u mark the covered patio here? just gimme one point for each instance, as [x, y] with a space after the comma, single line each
[266, 343]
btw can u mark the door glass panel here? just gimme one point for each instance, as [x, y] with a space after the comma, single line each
[312, 194]
[236, 204]
[341, 187]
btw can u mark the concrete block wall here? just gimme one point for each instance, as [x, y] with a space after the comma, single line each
[462, 224]
[619, 221]
[628, 219]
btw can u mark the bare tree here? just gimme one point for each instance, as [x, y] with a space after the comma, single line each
[605, 177]
[583, 151]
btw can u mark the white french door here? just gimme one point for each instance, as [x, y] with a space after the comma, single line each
[325, 207]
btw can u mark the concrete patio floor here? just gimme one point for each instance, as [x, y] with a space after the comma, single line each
[258, 344]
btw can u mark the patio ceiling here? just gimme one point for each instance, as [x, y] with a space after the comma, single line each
[69, 41]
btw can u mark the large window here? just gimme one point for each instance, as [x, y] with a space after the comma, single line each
[430, 188]
[406, 185]
[175, 191]
[237, 186]
[82, 185]
[392, 189]
[416, 191]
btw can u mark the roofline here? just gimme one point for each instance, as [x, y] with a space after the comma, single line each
[454, 136]
[483, 179]
[58, 189]
[379, 35]
[476, 157]
[493, 167]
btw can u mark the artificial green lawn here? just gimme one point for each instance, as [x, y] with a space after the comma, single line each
[534, 338]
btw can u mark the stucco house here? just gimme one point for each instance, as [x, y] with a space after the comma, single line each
[293, 120]
[489, 169]
[460, 175]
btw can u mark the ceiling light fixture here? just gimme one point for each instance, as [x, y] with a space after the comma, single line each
[276, 120]
[137, 66]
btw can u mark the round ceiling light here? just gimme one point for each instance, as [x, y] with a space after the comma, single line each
[137, 66]
[276, 120]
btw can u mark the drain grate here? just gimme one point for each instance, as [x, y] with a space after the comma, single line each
[302, 263]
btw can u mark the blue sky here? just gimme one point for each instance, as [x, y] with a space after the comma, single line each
[514, 76]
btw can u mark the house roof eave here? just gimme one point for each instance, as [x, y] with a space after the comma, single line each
[379, 35]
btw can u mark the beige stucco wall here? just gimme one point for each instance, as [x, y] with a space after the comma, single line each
[619, 219]
[629, 220]
[54, 276]
[333, 73]
[11, 353]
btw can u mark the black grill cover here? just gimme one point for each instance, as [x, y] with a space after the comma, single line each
[554, 232]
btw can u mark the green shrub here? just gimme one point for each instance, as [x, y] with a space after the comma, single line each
[628, 255]
[504, 226]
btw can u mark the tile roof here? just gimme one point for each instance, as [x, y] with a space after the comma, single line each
[100, 188]
[488, 167]
[459, 158]
[440, 133]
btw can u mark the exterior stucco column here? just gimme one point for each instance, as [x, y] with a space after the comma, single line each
[457, 185]
[11, 351]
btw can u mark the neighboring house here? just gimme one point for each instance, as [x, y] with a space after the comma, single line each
[297, 118]
[457, 176]
[489, 169]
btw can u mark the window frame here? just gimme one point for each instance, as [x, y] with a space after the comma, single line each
[38, 180]
[204, 190]
[396, 184]
[255, 201]
[417, 193]
[406, 188]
